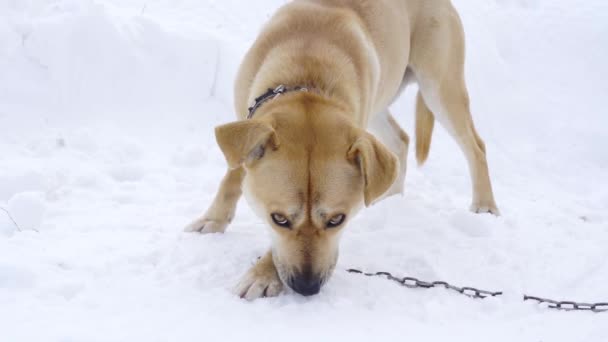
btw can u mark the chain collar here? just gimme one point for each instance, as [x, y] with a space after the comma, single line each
[271, 94]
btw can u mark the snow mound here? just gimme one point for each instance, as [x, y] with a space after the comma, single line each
[27, 209]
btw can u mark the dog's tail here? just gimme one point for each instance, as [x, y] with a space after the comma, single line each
[424, 129]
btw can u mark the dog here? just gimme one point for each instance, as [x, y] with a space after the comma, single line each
[318, 143]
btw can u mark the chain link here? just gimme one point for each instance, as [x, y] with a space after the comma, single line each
[472, 292]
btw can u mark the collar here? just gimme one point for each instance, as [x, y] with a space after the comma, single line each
[271, 94]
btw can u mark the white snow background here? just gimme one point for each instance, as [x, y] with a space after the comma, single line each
[107, 110]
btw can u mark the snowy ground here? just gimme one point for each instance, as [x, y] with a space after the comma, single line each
[107, 109]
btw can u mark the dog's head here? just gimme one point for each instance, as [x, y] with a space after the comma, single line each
[309, 170]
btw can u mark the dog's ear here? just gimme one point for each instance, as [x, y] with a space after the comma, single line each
[245, 141]
[379, 166]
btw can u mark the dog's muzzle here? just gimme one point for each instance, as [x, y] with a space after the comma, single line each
[306, 284]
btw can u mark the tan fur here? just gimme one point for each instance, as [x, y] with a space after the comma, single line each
[240, 139]
[307, 156]
[424, 130]
[378, 166]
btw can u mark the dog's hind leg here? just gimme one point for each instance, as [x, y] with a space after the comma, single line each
[438, 63]
[221, 211]
[384, 127]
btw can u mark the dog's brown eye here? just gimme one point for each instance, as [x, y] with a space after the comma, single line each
[280, 220]
[336, 221]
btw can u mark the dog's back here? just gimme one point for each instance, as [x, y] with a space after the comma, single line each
[376, 36]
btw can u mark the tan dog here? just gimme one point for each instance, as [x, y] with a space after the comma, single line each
[305, 159]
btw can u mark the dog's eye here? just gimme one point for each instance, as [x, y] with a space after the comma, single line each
[280, 220]
[336, 221]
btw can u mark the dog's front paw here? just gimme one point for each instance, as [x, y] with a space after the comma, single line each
[206, 226]
[480, 208]
[260, 281]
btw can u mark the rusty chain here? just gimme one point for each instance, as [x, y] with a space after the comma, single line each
[472, 292]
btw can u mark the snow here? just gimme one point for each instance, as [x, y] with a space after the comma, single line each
[107, 110]
[27, 209]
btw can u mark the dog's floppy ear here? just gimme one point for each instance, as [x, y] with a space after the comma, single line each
[243, 141]
[379, 166]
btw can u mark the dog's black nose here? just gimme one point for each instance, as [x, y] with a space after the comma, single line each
[306, 285]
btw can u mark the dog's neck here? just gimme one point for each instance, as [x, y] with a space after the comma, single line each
[271, 94]
[312, 66]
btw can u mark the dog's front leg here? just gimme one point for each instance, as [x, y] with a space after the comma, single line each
[221, 211]
[262, 280]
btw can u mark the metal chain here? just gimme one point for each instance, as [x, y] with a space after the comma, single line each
[472, 292]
